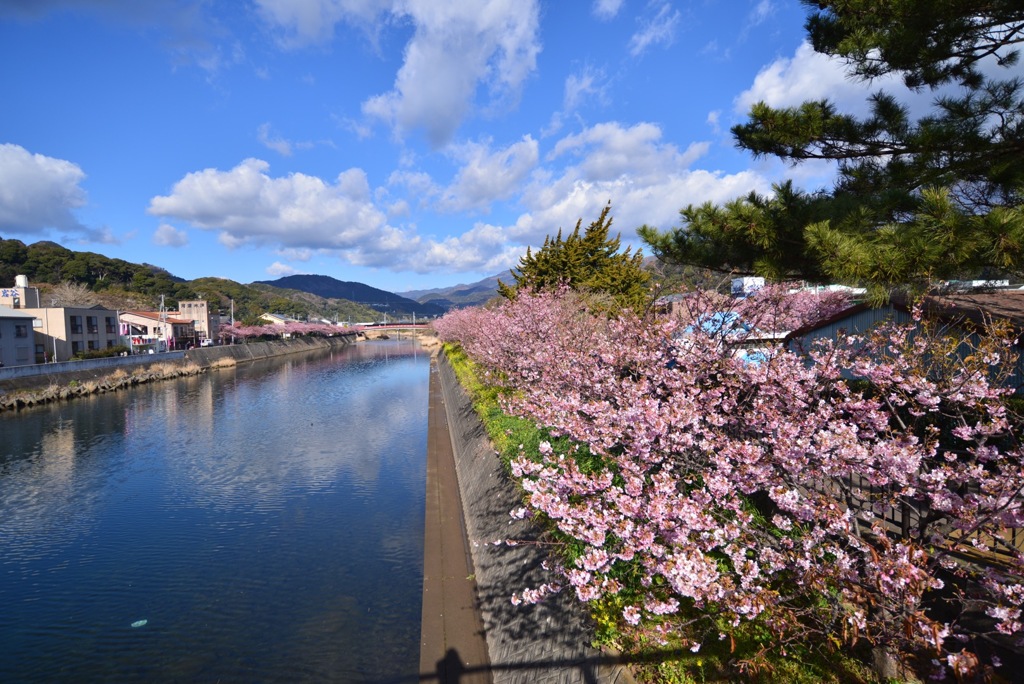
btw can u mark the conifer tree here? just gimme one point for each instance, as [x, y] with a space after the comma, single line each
[589, 262]
[914, 200]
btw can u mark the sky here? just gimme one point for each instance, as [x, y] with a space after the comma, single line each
[405, 144]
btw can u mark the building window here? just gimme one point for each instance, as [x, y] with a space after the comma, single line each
[110, 343]
[94, 326]
[111, 326]
[21, 330]
[21, 354]
[92, 345]
[76, 347]
[76, 325]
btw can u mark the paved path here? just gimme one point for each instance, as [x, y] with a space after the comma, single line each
[524, 644]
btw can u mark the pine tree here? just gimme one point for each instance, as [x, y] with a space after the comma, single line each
[914, 200]
[589, 262]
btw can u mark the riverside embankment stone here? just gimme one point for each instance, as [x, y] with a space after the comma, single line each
[544, 643]
[25, 386]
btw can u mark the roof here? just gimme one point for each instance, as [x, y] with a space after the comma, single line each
[8, 312]
[158, 317]
[979, 307]
[975, 309]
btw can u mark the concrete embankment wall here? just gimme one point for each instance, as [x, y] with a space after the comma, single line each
[208, 356]
[548, 642]
[41, 376]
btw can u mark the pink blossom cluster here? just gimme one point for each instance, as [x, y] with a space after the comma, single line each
[777, 490]
[238, 331]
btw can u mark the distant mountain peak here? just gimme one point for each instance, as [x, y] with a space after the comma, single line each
[381, 300]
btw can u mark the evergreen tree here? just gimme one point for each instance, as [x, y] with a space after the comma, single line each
[939, 197]
[589, 262]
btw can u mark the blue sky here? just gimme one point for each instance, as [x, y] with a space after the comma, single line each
[406, 144]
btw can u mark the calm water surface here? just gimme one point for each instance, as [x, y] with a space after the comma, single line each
[259, 524]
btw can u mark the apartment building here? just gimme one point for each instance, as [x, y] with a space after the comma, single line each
[63, 332]
[17, 345]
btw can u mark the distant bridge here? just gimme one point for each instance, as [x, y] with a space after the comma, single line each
[397, 326]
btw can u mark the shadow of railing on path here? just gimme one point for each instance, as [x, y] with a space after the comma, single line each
[450, 669]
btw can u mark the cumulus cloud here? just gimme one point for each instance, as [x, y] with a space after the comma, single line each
[40, 193]
[809, 75]
[417, 182]
[456, 48]
[279, 270]
[167, 235]
[483, 248]
[606, 9]
[248, 206]
[647, 180]
[486, 175]
[659, 29]
[608, 151]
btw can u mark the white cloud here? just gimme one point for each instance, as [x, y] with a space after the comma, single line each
[609, 151]
[657, 30]
[167, 235]
[579, 87]
[646, 179]
[312, 22]
[276, 143]
[40, 193]
[606, 9]
[484, 248]
[417, 183]
[456, 48]
[487, 176]
[714, 120]
[809, 75]
[279, 270]
[248, 206]
[296, 253]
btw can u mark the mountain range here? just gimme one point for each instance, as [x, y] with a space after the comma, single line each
[380, 300]
[90, 278]
[472, 294]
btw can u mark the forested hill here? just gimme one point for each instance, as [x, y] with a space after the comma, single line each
[70, 278]
[380, 300]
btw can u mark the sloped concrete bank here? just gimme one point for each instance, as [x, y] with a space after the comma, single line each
[549, 642]
[55, 382]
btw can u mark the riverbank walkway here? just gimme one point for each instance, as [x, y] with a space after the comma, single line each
[471, 632]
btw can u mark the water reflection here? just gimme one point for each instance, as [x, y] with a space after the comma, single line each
[265, 521]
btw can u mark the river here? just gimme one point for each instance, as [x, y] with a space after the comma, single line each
[257, 524]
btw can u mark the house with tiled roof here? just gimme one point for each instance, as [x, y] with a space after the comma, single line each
[158, 331]
[967, 314]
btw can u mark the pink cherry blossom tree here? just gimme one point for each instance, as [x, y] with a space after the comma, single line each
[850, 491]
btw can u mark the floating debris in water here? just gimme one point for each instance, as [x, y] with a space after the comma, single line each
[140, 623]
